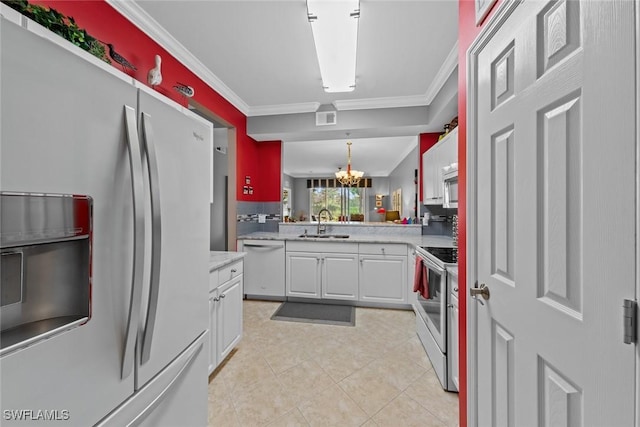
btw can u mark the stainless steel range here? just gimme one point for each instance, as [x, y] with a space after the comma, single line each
[431, 305]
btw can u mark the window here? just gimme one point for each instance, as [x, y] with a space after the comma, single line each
[339, 201]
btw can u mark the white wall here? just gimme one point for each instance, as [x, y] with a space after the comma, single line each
[403, 177]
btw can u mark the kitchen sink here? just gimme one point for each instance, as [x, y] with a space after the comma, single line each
[324, 236]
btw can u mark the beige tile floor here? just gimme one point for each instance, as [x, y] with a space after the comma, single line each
[300, 374]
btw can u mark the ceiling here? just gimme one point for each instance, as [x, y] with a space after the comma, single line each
[374, 156]
[260, 56]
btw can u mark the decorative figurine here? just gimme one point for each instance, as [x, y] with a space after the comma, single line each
[120, 59]
[154, 76]
[184, 89]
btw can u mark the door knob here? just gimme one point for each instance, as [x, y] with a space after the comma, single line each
[483, 291]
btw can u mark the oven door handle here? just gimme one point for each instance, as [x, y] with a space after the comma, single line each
[432, 265]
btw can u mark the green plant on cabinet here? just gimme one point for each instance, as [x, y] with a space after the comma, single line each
[64, 26]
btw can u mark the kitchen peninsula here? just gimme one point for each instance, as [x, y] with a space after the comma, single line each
[366, 264]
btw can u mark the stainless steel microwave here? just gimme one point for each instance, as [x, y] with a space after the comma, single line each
[450, 182]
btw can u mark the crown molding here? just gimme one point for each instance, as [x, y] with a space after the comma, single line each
[269, 110]
[447, 67]
[371, 103]
[141, 19]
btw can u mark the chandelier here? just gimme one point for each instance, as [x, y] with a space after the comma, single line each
[349, 177]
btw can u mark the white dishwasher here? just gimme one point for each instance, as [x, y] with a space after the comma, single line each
[263, 268]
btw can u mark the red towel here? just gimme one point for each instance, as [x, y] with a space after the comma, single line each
[421, 279]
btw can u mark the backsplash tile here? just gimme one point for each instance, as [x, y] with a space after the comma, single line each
[247, 217]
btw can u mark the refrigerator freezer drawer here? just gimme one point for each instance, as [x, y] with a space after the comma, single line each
[176, 396]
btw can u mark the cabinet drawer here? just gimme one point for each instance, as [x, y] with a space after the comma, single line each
[230, 271]
[327, 247]
[383, 249]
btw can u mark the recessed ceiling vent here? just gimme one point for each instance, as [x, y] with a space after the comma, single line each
[326, 115]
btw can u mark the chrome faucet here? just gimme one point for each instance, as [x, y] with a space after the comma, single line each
[323, 228]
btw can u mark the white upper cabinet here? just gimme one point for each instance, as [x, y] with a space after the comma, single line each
[441, 155]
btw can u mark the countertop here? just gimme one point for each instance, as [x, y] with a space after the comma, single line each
[422, 240]
[219, 259]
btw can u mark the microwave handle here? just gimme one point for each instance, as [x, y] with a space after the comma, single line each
[445, 194]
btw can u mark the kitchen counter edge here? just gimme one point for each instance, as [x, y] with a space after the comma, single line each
[423, 240]
[218, 259]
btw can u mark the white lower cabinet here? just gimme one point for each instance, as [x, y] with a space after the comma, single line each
[322, 270]
[225, 311]
[303, 275]
[340, 276]
[229, 317]
[322, 275]
[383, 273]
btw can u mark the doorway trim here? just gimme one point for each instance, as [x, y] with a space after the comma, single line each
[503, 11]
[637, 230]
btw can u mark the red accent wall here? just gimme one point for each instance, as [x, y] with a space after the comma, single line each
[427, 140]
[467, 33]
[256, 159]
[266, 176]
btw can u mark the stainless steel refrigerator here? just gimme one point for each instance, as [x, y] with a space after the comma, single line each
[72, 125]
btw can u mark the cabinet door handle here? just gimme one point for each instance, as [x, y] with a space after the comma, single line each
[233, 270]
[216, 299]
[223, 296]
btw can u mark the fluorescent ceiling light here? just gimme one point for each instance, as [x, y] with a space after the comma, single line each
[334, 24]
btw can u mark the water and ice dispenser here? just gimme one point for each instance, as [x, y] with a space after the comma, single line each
[45, 253]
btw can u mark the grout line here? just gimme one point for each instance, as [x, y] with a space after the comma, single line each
[260, 314]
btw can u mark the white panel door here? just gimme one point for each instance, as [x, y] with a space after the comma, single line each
[432, 176]
[229, 316]
[180, 228]
[340, 276]
[383, 278]
[449, 152]
[555, 158]
[303, 275]
[63, 131]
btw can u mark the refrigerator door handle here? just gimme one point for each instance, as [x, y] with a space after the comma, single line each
[156, 236]
[137, 189]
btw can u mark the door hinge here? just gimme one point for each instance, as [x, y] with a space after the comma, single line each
[630, 317]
